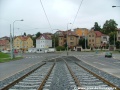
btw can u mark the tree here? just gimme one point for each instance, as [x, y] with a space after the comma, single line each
[24, 33]
[82, 43]
[38, 34]
[55, 40]
[109, 26]
[112, 36]
[96, 27]
[117, 44]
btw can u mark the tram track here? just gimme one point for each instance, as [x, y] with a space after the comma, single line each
[63, 73]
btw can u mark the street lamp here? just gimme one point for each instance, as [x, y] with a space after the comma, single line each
[13, 34]
[115, 6]
[55, 36]
[67, 37]
[85, 38]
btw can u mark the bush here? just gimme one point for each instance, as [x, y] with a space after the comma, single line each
[58, 48]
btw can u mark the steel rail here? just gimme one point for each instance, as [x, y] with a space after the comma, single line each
[46, 77]
[102, 79]
[19, 79]
[73, 75]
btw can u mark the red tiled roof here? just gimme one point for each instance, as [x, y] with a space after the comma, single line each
[98, 33]
[45, 36]
[23, 38]
[3, 42]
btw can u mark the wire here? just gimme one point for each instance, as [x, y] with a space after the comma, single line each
[46, 15]
[76, 14]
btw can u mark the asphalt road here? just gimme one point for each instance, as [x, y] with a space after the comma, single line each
[109, 65]
[10, 68]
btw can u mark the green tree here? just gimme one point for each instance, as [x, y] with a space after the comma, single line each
[38, 34]
[96, 27]
[117, 44]
[54, 40]
[82, 43]
[109, 26]
[24, 33]
[112, 35]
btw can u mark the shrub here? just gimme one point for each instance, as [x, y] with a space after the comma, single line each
[58, 48]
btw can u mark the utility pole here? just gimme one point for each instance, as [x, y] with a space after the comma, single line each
[67, 38]
[114, 41]
[11, 44]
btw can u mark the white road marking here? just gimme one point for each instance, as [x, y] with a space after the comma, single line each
[99, 63]
[116, 62]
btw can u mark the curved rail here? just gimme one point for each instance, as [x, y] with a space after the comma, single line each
[19, 79]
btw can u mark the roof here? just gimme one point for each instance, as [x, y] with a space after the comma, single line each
[45, 36]
[69, 32]
[3, 42]
[23, 38]
[98, 33]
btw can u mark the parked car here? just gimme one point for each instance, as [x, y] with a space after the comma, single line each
[108, 54]
[5, 51]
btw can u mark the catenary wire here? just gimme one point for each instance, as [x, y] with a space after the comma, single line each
[46, 15]
[76, 14]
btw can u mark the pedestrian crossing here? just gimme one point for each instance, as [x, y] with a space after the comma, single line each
[33, 57]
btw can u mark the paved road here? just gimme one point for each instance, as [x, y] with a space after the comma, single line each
[109, 65]
[10, 68]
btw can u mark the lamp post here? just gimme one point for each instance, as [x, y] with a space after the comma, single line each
[13, 34]
[115, 6]
[85, 38]
[67, 37]
[55, 36]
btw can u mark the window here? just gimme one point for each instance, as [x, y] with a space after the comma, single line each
[118, 38]
[89, 35]
[89, 40]
[71, 43]
[92, 40]
[92, 35]
[71, 38]
[61, 38]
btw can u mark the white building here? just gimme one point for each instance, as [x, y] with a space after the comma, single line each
[43, 42]
[105, 39]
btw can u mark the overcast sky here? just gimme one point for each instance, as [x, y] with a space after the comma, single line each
[59, 12]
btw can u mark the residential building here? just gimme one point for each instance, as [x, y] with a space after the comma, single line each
[43, 41]
[72, 38]
[118, 34]
[4, 45]
[23, 43]
[5, 38]
[48, 34]
[96, 39]
[81, 32]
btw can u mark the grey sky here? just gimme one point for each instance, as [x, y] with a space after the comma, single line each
[59, 12]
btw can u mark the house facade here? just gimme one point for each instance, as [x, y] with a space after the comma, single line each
[43, 41]
[69, 37]
[118, 34]
[97, 40]
[81, 32]
[4, 45]
[23, 43]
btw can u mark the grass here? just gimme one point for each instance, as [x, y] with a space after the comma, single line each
[3, 55]
[6, 58]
